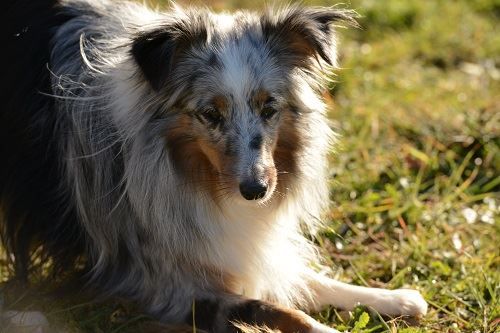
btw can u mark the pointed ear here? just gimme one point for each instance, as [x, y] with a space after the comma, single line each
[296, 34]
[156, 52]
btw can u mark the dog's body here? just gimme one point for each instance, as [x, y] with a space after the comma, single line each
[179, 154]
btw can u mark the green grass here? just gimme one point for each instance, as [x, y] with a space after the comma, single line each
[415, 180]
[418, 106]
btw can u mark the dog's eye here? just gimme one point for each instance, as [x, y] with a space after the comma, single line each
[268, 112]
[212, 115]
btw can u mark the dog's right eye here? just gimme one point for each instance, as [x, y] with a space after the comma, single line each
[212, 115]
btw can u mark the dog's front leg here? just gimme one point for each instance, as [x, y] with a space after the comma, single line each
[230, 314]
[397, 302]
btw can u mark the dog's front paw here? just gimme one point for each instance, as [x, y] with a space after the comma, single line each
[406, 302]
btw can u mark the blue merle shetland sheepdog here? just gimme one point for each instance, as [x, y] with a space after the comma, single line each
[179, 154]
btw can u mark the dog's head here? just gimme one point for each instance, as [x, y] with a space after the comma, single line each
[237, 92]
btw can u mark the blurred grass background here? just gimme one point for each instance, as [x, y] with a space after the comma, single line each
[415, 181]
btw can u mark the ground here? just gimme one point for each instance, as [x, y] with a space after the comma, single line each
[415, 177]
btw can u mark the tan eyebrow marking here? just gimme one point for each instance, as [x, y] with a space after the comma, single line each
[260, 97]
[221, 103]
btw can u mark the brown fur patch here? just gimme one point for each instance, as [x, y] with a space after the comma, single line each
[211, 154]
[267, 315]
[233, 314]
[187, 155]
[260, 97]
[220, 102]
[195, 159]
[300, 46]
[287, 150]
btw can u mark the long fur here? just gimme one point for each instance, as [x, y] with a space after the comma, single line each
[109, 162]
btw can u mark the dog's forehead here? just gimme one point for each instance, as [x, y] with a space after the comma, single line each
[245, 64]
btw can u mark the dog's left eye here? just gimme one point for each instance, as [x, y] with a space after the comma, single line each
[212, 115]
[268, 112]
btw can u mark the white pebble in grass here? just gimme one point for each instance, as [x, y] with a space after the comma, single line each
[488, 217]
[365, 48]
[492, 205]
[470, 215]
[457, 242]
[404, 182]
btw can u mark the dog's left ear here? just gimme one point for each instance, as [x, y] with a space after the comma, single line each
[156, 52]
[297, 34]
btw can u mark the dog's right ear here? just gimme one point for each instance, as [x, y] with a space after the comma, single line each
[156, 52]
[296, 34]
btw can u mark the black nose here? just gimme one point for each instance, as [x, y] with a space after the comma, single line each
[253, 190]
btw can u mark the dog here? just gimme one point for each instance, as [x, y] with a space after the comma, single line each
[175, 157]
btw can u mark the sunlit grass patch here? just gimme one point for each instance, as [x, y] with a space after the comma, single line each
[416, 179]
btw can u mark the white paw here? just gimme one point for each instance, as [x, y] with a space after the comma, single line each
[405, 302]
[320, 328]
